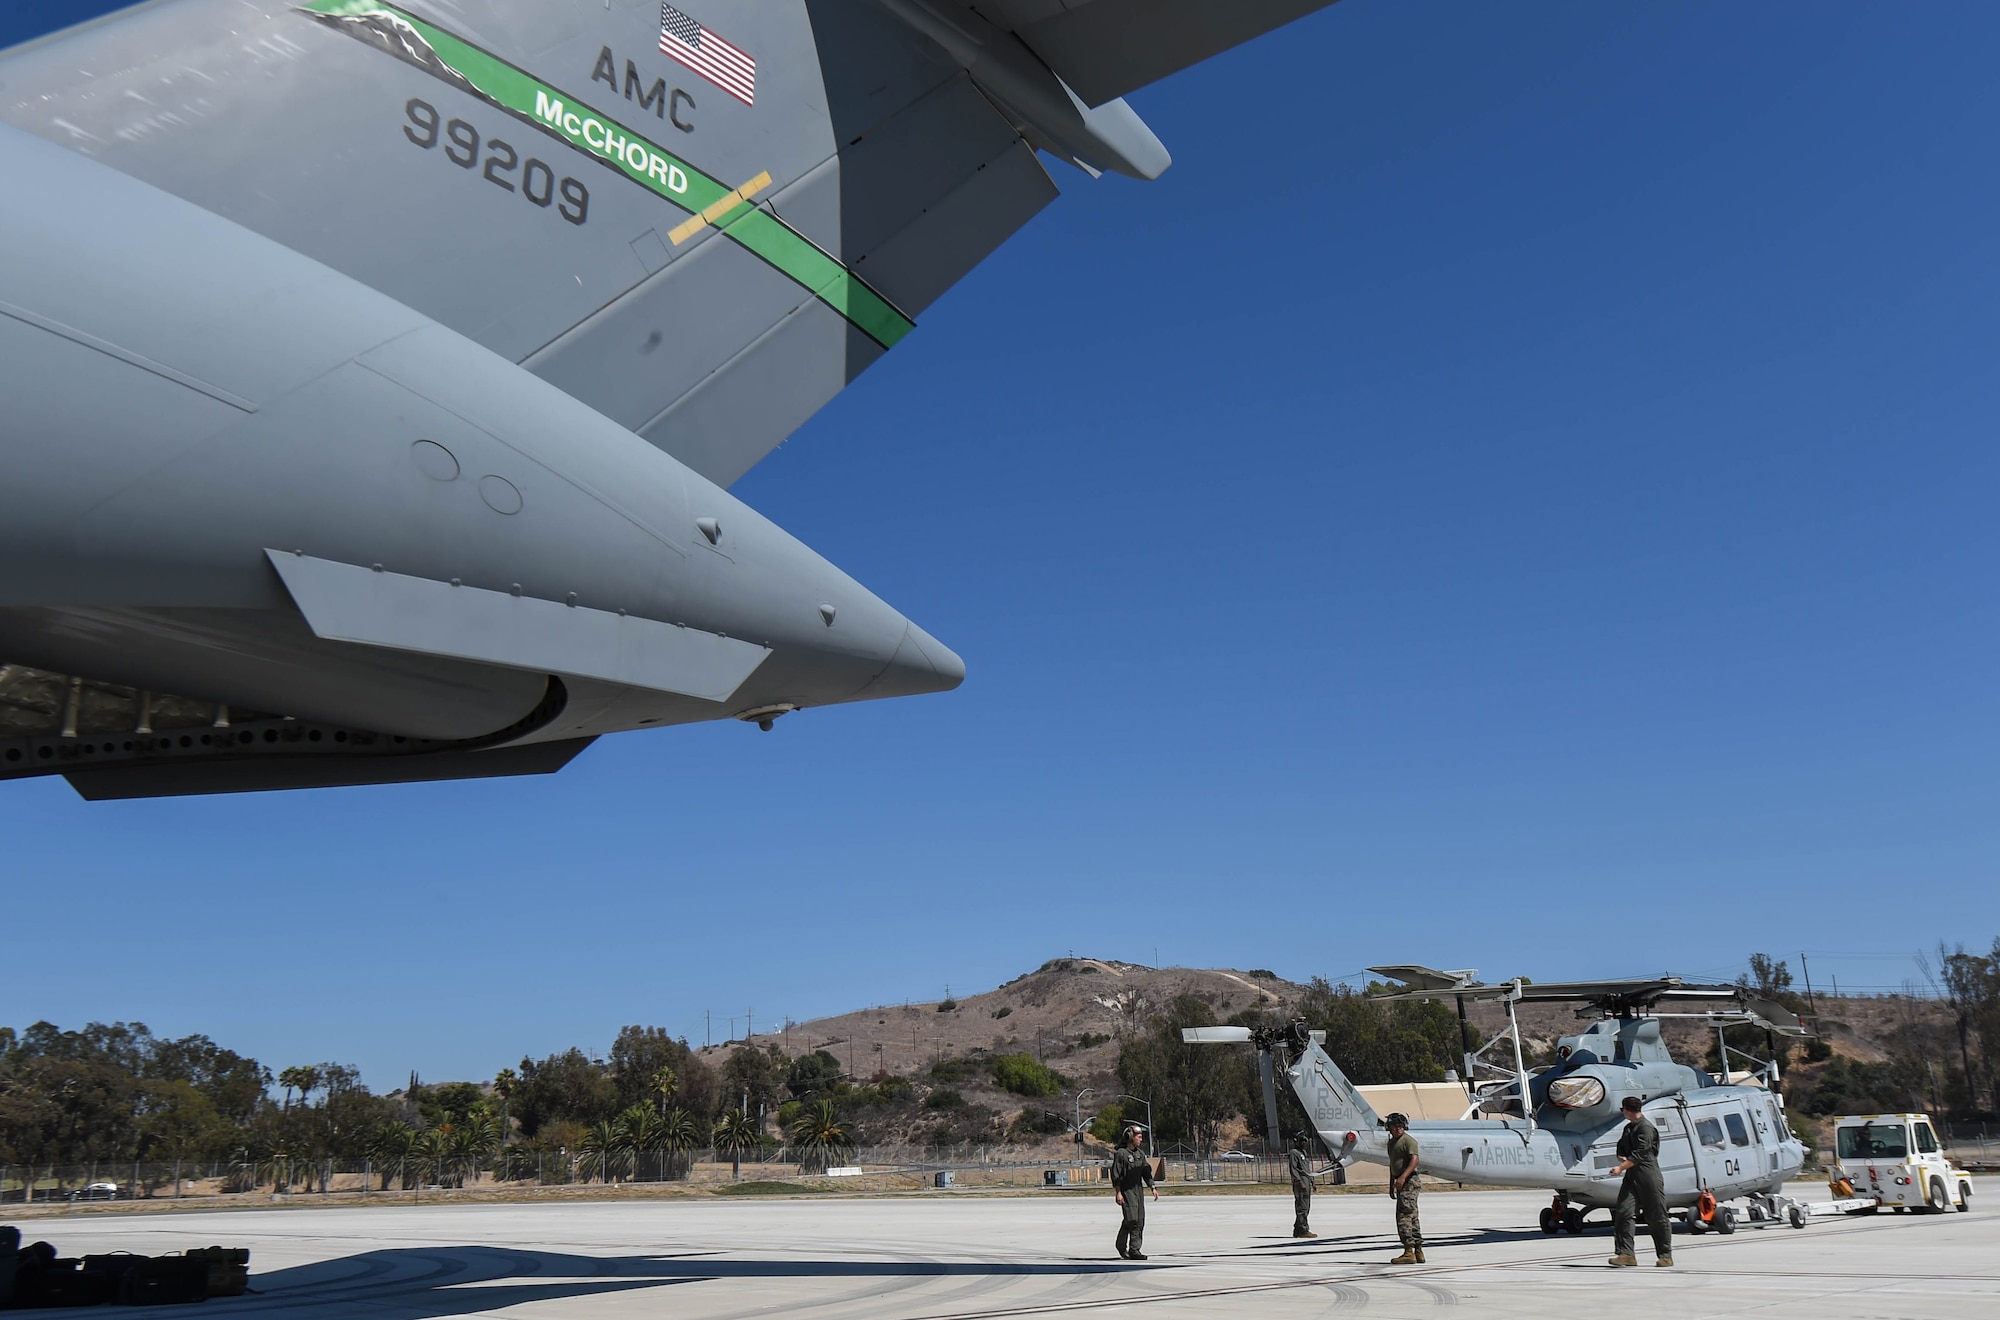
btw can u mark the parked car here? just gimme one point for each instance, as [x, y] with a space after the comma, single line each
[1235, 1157]
[99, 1191]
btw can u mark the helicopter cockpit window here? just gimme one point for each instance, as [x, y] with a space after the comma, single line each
[1874, 1141]
[1738, 1134]
[1708, 1132]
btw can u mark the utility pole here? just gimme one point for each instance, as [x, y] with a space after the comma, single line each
[1806, 972]
[707, 1028]
[749, 1021]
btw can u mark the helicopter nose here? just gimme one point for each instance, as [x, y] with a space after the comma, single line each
[921, 664]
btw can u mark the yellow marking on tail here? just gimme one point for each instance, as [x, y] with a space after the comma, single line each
[718, 208]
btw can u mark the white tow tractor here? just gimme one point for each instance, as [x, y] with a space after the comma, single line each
[1896, 1160]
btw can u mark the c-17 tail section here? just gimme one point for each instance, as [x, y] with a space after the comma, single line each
[702, 220]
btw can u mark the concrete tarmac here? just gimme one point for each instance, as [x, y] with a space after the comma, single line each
[965, 1257]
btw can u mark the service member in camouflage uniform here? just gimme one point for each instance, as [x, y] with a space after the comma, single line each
[1642, 1191]
[1131, 1179]
[1403, 1162]
[1302, 1184]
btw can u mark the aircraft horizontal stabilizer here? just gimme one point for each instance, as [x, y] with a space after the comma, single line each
[348, 603]
[1215, 1035]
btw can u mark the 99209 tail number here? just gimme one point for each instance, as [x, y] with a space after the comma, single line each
[538, 183]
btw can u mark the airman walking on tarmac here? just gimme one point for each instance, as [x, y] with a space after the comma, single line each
[1131, 1179]
[1300, 1163]
[1403, 1161]
[1641, 1191]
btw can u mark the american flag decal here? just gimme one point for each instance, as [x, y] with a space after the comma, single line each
[733, 70]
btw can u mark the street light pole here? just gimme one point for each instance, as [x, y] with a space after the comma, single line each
[1151, 1150]
[1076, 1128]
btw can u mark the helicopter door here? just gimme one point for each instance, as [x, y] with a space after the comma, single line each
[1738, 1158]
[1711, 1143]
[1676, 1160]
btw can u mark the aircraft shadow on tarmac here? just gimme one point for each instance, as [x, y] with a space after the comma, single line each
[412, 1283]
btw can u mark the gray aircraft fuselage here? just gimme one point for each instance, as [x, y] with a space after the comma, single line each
[372, 372]
[188, 404]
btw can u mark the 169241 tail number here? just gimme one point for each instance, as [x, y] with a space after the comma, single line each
[463, 146]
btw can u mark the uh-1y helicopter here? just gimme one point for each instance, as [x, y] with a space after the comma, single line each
[1719, 1141]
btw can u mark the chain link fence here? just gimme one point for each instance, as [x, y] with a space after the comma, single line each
[516, 1169]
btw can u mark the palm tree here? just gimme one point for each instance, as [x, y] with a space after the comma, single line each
[389, 1145]
[521, 1159]
[430, 1153]
[737, 1132]
[604, 1150]
[644, 1133]
[301, 1079]
[819, 1137]
[468, 1142]
[664, 1083]
[683, 1133]
[504, 1083]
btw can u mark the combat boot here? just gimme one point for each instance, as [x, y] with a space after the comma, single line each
[1419, 1253]
[1663, 1262]
[1409, 1257]
[1303, 1234]
[1624, 1258]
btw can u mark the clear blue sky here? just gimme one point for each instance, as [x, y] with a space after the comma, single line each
[1519, 493]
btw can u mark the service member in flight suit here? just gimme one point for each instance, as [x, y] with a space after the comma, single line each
[1131, 1179]
[1641, 1190]
[1403, 1161]
[1300, 1164]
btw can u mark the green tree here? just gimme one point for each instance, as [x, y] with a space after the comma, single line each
[815, 1074]
[565, 1087]
[637, 1057]
[753, 1078]
[605, 1150]
[431, 1155]
[644, 1133]
[736, 1132]
[1023, 1075]
[1193, 1088]
[504, 1083]
[388, 1146]
[818, 1136]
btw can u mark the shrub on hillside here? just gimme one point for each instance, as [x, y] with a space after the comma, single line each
[1023, 1075]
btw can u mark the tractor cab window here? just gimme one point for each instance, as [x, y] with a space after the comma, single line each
[1739, 1135]
[1926, 1139]
[1708, 1132]
[1875, 1141]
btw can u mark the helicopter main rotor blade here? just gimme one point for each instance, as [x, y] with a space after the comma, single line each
[1215, 1035]
[1272, 1139]
[1774, 1016]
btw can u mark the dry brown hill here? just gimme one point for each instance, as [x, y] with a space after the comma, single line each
[1070, 1013]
